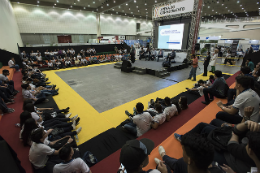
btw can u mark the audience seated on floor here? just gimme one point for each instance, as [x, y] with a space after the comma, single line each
[218, 89]
[70, 163]
[11, 64]
[238, 153]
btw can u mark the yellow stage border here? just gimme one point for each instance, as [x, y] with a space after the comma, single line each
[92, 122]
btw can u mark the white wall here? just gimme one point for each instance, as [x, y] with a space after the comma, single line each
[9, 32]
[33, 19]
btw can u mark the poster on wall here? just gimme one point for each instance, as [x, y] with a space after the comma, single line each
[255, 47]
[173, 8]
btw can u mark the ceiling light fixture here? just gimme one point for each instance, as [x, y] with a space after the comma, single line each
[38, 2]
[107, 4]
[94, 2]
[54, 4]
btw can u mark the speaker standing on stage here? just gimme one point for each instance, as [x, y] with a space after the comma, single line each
[132, 53]
[194, 67]
[206, 64]
[160, 54]
[213, 61]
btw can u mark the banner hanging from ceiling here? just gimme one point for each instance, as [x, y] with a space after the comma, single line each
[173, 8]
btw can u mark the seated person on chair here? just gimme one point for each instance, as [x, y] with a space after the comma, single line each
[245, 97]
[152, 55]
[218, 89]
[11, 64]
[147, 54]
[70, 164]
[141, 54]
[160, 54]
[171, 56]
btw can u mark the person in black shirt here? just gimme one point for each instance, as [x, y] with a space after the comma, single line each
[206, 64]
[198, 154]
[171, 56]
[141, 54]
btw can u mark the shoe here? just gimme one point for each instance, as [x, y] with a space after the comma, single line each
[10, 102]
[177, 136]
[77, 121]
[10, 110]
[157, 161]
[128, 114]
[211, 100]
[57, 90]
[68, 115]
[206, 103]
[74, 125]
[189, 79]
[152, 102]
[47, 82]
[193, 80]
[161, 150]
[79, 130]
[74, 118]
[16, 91]
[46, 100]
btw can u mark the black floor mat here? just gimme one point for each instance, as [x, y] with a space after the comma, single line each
[50, 104]
[105, 143]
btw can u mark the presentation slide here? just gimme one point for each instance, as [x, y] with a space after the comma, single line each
[170, 36]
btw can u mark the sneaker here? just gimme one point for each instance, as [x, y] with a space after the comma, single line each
[9, 102]
[10, 110]
[68, 115]
[77, 149]
[74, 118]
[177, 136]
[74, 125]
[79, 130]
[193, 80]
[161, 150]
[135, 111]
[77, 121]
[206, 103]
[46, 100]
[128, 114]
[157, 161]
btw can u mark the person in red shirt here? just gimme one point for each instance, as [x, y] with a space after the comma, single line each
[194, 67]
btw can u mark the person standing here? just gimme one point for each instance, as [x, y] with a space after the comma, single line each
[194, 67]
[213, 61]
[132, 53]
[206, 64]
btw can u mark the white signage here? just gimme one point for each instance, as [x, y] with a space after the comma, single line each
[229, 41]
[253, 41]
[121, 37]
[173, 8]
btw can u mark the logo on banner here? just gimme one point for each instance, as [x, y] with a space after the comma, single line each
[174, 8]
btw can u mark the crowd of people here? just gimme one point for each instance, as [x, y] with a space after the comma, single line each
[59, 59]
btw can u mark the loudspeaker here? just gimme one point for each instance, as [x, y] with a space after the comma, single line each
[197, 46]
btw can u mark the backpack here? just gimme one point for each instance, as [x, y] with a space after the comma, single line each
[220, 137]
[89, 158]
[165, 64]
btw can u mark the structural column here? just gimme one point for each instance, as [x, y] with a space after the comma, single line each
[98, 25]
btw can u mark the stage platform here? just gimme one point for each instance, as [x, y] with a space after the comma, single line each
[153, 67]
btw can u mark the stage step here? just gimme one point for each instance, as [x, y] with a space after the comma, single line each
[142, 70]
[118, 65]
[164, 74]
[139, 71]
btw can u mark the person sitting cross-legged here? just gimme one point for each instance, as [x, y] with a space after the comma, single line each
[217, 89]
[69, 163]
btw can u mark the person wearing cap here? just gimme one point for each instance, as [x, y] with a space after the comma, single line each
[134, 157]
[198, 154]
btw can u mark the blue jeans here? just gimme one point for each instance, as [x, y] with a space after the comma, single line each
[16, 66]
[131, 127]
[193, 73]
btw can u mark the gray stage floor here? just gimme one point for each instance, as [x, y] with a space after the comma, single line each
[154, 65]
[105, 87]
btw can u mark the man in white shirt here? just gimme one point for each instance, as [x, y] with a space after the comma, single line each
[41, 155]
[9, 83]
[11, 64]
[141, 122]
[70, 164]
[170, 110]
